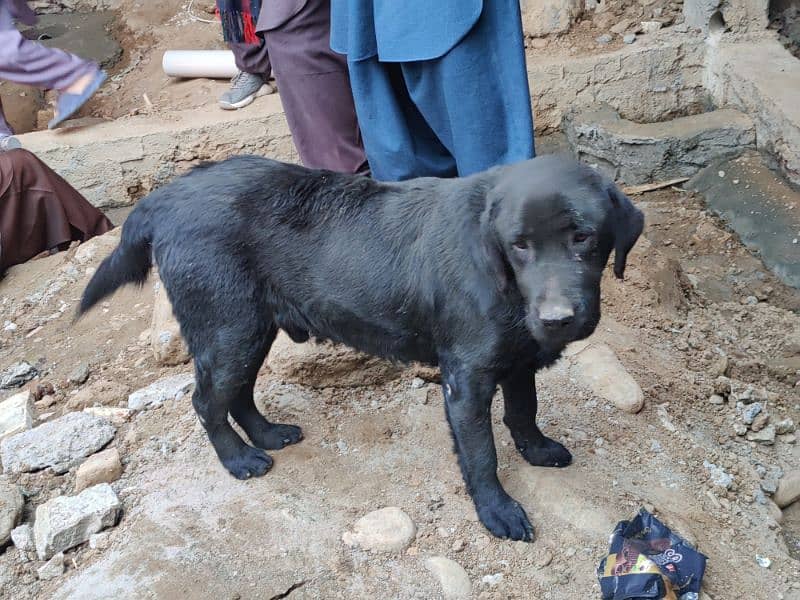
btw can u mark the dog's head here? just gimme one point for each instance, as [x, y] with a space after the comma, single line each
[548, 228]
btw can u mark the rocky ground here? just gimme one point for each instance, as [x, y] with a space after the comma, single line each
[710, 336]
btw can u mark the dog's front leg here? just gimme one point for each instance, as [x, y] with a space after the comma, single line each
[468, 400]
[521, 403]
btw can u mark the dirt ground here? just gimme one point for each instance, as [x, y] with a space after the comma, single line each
[692, 295]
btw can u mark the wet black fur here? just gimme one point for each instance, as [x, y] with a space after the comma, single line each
[445, 272]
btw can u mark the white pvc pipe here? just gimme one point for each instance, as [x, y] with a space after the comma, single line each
[211, 64]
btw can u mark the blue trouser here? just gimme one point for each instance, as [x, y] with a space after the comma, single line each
[456, 115]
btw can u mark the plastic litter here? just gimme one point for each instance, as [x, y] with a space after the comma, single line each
[646, 560]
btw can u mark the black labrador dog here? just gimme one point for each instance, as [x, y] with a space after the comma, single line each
[488, 276]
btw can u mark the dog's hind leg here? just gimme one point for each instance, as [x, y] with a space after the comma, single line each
[262, 433]
[521, 404]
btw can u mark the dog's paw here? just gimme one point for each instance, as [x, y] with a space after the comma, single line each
[276, 436]
[506, 518]
[251, 462]
[548, 453]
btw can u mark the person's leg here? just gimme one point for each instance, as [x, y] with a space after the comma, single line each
[315, 91]
[476, 97]
[399, 143]
[252, 81]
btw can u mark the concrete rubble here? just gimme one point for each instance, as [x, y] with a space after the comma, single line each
[67, 521]
[155, 394]
[16, 414]
[11, 505]
[58, 444]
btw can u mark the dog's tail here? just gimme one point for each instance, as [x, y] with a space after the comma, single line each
[130, 262]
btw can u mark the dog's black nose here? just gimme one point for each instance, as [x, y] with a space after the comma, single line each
[557, 323]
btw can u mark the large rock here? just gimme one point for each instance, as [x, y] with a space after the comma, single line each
[634, 153]
[169, 348]
[16, 414]
[327, 365]
[452, 577]
[11, 505]
[103, 467]
[386, 530]
[545, 17]
[67, 521]
[788, 489]
[58, 444]
[157, 393]
[596, 365]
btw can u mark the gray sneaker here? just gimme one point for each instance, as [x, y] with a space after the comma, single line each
[245, 87]
[9, 142]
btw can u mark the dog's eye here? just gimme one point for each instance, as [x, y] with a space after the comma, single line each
[581, 236]
[521, 245]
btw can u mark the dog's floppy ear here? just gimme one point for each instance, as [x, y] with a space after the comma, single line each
[627, 223]
[490, 245]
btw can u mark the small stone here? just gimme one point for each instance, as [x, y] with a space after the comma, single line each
[79, 375]
[629, 38]
[22, 537]
[721, 174]
[46, 402]
[11, 505]
[605, 39]
[785, 426]
[716, 399]
[59, 444]
[763, 561]
[769, 485]
[9, 326]
[719, 367]
[718, 476]
[760, 422]
[116, 416]
[385, 530]
[722, 386]
[417, 383]
[16, 414]
[99, 541]
[751, 412]
[452, 577]
[103, 467]
[544, 559]
[42, 389]
[17, 375]
[67, 521]
[739, 429]
[52, 568]
[492, 580]
[598, 368]
[459, 545]
[766, 436]
[651, 27]
[157, 393]
[788, 491]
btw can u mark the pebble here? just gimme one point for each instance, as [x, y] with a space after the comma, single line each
[67, 521]
[788, 491]
[751, 412]
[716, 399]
[718, 475]
[11, 505]
[763, 561]
[459, 545]
[492, 580]
[598, 368]
[386, 530]
[79, 375]
[766, 436]
[103, 467]
[760, 422]
[22, 537]
[652, 27]
[739, 429]
[417, 383]
[16, 414]
[157, 393]
[9, 326]
[17, 375]
[58, 444]
[544, 559]
[452, 577]
[629, 38]
[604, 39]
[52, 568]
[785, 426]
